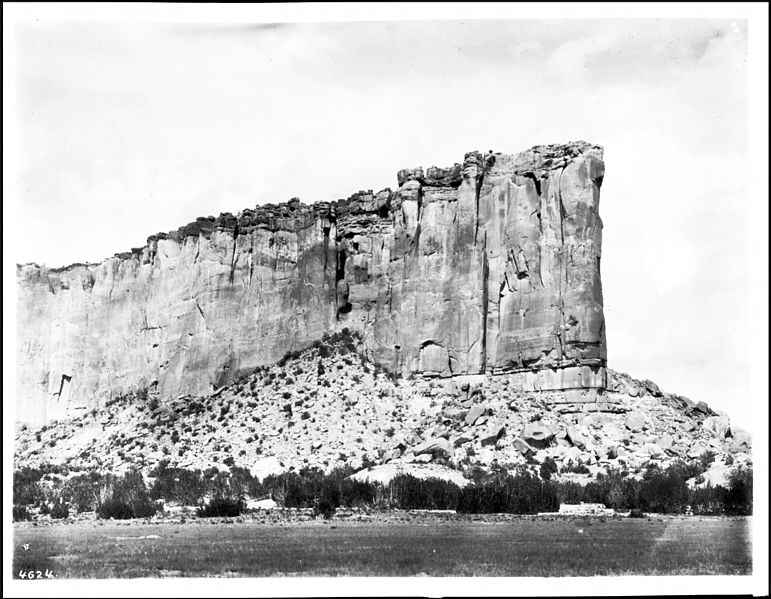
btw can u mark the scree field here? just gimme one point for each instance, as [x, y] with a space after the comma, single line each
[581, 547]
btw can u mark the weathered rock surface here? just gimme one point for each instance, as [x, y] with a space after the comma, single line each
[474, 414]
[248, 425]
[536, 434]
[720, 426]
[489, 266]
[435, 447]
[635, 421]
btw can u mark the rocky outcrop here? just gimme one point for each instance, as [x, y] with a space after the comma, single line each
[490, 266]
[298, 415]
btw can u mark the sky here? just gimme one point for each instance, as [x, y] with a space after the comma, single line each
[127, 129]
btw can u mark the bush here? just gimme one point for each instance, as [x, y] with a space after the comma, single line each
[548, 467]
[126, 497]
[26, 486]
[355, 493]
[60, 510]
[20, 513]
[240, 481]
[115, 508]
[187, 487]
[222, 507]
[523, 493]
[82, 491]
[738, 499]
[663, 491]
[708, 500]
[408, 492]
[576, 468]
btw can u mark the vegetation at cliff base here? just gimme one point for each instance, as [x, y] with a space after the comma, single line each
[220, 493]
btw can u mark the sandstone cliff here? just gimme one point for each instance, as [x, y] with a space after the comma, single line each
[492, 265]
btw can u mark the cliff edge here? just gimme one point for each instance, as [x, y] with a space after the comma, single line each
[489, 266]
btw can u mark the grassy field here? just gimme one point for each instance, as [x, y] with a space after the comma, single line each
[581, 547]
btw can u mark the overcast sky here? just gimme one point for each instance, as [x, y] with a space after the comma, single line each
[126, 130]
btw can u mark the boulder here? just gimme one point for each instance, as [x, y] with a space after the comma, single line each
[665, 442]
[438, 446]
[474, 414]
[461, 440]
[576, 438]
[702, 407]
[717, 426]
[598, 420]
[477, 394]
[572, 454]
[652, 450]
[522, 447]
[635, 422]
[494, 431]
[740, 439]
[537, 434]
[423, 458]
[652, 388]
[688, 426]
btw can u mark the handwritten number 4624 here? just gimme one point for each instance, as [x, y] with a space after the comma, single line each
[35, 574]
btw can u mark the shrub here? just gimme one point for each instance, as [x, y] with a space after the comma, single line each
[575, 467]
[663, 491]
[355, 493]
[26, 486]
[708, 500]
[20, 513]
[221, 507]
[126, 497]
[548, 467]
[60, 510]
[523, 493]
[114, 508]
[240, 480]
[325, 507]
[177, 484]
[408, 492]
[82, 491]
[738, 499]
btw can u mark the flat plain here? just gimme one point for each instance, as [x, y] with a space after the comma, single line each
[527, 547]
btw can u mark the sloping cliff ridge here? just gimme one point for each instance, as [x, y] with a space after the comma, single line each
[489, 266]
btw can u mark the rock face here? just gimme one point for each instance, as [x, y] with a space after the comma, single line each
[489, 266]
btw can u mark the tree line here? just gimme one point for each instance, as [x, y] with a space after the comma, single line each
[224, 493]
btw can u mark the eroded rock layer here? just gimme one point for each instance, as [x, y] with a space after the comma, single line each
[492, 265]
